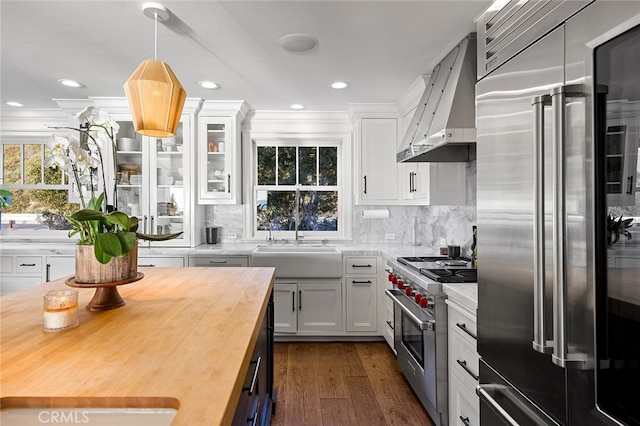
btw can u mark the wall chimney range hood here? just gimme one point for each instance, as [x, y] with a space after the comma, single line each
[443, 126]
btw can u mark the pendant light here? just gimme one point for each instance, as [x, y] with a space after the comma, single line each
[155, 95]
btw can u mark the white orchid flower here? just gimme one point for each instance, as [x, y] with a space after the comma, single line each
[81, 158]
[55, 161]
[57, 144]
[87, 115]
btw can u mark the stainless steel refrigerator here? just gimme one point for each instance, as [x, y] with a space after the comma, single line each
[558, 111]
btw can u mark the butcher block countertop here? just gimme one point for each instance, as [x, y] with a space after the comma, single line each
[183, 340]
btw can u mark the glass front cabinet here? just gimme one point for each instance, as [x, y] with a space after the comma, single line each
[219, 152]
[152, 176]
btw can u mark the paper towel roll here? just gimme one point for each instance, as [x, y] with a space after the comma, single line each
[375, 214]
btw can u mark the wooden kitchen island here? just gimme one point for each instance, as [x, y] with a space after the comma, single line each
[184, 340]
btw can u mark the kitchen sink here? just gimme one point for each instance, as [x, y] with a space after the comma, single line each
[300, 261]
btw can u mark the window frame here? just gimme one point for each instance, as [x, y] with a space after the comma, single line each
[340, 141]
[17, 129]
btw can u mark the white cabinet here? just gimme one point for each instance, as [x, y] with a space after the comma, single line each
[60, 266]
[378, 177]
[153, 177]
[464, 405]
[380, 180]
[361, 282]
[219, 261]
[168, 261]
[435, 183]
[18, 272]
[308, 306]
[219, 152]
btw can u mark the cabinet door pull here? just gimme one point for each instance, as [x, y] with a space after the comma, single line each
[219, 262]
[149, 265]
[299, 300]
[361, 266]
[254, 378]
[293, 301]
[464, 328]
[365, 184]
[27, 264]
[48, 277]
[465, 420]
[361, 282]
[463, 364]
[630, 183]
[229, 183]
[390, 325]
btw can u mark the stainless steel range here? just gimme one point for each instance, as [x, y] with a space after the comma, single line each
[420, 324]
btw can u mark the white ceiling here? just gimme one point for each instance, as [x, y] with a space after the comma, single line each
[380, 47]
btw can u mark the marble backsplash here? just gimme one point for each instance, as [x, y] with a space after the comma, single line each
[428, 226]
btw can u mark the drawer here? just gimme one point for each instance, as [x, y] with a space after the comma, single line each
[214, 261]
[6, 264]
[28, 264]
[463, 361]
[160, 261]
[464, 405]
[462, 322]
[361, 265]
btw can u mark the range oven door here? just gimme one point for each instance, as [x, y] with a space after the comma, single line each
[415, 342]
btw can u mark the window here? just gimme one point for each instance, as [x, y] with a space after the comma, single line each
[297, 183]
[39, 199]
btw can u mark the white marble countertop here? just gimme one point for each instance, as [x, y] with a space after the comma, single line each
[465, 294]
[67, 247]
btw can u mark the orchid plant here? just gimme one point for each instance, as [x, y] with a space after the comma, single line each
[80, 157]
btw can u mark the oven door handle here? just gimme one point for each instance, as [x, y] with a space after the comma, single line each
[422, 324]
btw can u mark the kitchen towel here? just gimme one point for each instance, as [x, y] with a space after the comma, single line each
[375, 214]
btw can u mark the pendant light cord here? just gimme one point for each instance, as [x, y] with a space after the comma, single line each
[155, 46]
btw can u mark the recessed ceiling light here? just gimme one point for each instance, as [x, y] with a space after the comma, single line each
[297, 106]
[14, 104]
[70, 83]
[339, 85]
[209, 85]
[298, 42]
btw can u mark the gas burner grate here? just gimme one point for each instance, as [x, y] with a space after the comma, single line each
[466, 275]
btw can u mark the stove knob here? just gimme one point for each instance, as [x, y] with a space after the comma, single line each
[391, 277]
[430, 302]
[418, 298]
[400, 284]
[424, 302]
[394, 279]
[409, 291]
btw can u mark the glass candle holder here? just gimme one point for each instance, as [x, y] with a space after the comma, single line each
[60, 310]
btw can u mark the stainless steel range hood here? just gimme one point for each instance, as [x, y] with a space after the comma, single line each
[443, 127]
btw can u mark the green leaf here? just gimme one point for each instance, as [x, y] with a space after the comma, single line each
[127, 241]
[118, 218]
[96, 203]
[158, 237]
[108, 243]
[87, 214]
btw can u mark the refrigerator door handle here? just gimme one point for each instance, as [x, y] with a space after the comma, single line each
[561, 355]
[541, 342]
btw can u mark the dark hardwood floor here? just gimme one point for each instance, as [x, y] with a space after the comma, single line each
[342, 383]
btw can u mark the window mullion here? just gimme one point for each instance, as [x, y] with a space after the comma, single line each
[317, 166]
[42, 168]
[22, 165]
